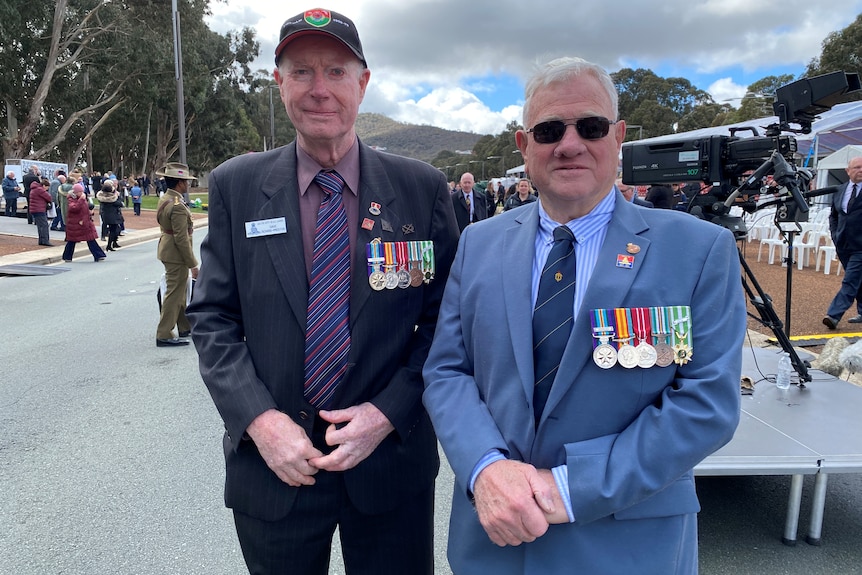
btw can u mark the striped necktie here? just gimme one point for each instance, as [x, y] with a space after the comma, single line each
[554, 315]
[327, 333]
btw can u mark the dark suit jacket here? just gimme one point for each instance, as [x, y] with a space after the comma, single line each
[845, 226]
[249, 318]
[462, 214]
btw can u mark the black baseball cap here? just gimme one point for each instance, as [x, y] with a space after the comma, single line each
[320, 21]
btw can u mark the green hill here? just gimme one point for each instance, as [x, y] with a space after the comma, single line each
[411, 140]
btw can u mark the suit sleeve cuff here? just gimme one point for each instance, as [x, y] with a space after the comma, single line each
[491, 456]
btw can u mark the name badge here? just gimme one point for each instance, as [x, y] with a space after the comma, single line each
[265, 228]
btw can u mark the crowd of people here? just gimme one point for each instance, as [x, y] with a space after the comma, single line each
[104, 195]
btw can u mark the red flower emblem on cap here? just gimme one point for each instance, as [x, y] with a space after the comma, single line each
[318, 17]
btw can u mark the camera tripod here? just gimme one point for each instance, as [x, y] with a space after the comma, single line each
[768, 318]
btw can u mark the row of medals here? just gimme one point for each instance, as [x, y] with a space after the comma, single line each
[643, 355]
[416, 274]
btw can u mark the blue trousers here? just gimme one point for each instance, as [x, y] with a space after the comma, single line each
[95, 249]
[850, 286]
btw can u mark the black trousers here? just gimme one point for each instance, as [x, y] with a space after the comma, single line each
[395, 543]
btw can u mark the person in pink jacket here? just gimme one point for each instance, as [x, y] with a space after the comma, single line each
[79, 225]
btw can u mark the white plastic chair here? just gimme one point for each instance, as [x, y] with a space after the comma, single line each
[803, 244]
[827, 251]
[775, 241]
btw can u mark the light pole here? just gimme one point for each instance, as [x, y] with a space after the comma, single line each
[178, 70]
[483, 166]
[271, 117]
[495, 158]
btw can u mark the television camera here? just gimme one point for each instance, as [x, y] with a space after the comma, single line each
[733, 169]
[734, 165]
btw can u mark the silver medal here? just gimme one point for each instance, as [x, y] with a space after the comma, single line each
[605, 356]
[647, 355]
[627, 356]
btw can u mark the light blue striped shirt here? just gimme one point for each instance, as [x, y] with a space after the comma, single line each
[589, 232]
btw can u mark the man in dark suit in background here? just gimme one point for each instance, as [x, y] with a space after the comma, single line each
[845, 224]
[318, 375]
[470, 205]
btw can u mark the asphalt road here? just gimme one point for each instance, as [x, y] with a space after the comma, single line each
[110, 449]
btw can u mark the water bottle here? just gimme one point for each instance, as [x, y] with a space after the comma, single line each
[785, 369]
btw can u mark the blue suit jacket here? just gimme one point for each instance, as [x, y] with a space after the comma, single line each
[249, 319]
[630, 437]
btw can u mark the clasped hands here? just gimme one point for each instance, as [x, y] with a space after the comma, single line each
[516, 502]
[288, 451]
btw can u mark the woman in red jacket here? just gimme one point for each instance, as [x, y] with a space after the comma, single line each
[79, 225]
[37, 205]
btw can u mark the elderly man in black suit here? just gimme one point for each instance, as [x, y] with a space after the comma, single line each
[315, 307]
[845, 224]
[470, 204]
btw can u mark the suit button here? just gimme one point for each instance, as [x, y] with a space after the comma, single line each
[304, 415]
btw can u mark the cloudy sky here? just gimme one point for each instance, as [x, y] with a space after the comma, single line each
[461, 64]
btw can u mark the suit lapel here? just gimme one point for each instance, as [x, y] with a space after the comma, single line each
[519, 245]
[282, 200]
[609, 285]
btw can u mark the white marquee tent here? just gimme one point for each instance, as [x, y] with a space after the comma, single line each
[830, 170]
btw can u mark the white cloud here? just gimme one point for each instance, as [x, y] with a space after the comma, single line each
[727, 91]
[426, 55]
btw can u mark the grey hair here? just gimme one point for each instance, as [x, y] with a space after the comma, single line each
[564, 69]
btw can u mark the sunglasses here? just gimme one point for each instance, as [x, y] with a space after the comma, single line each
[552, 131]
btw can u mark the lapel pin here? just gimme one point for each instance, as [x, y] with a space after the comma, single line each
[368, 224]
[624, 261]
[374, 209]
[407, 229]
[387, 227]
[633, 248]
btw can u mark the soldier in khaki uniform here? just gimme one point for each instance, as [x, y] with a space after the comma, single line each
[176, 253]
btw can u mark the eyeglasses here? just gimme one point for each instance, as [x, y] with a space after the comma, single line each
[552, 131]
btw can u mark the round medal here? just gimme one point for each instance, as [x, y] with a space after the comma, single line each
[403, 279]
[391, 280]
[664, 354]
[647, 355]
[605, 356]
[627, 356]
[415, 277]
[377, 280]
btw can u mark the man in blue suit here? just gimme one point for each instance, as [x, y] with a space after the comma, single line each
[599, 479]
[324, 420]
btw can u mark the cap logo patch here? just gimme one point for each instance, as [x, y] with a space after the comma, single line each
[318, 18]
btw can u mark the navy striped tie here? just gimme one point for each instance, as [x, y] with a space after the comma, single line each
[327, 332]
[553, 316]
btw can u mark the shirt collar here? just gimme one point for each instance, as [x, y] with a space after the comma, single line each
[348, 168]
[598, 217]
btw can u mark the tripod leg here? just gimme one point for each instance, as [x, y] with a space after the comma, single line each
[768, 318]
